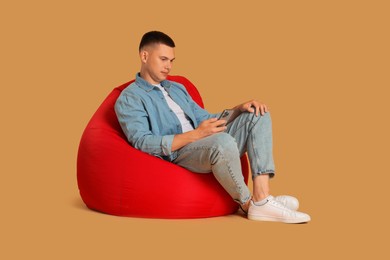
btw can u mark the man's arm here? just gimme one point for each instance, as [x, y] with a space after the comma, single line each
[249, 106]
[134, 121]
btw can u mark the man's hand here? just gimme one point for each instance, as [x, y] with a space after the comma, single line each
[210, 126]
[253, 106]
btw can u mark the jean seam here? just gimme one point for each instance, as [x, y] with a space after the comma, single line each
[254, 152]
[230, 171]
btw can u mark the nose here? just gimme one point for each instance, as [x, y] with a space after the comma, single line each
[169, 65]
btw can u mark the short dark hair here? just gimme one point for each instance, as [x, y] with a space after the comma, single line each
[154, 37]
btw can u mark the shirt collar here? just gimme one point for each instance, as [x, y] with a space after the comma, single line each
[147, 86]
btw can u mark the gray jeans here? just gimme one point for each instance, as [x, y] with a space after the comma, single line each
[220, 153]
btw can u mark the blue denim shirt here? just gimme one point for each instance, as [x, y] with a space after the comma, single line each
[148, 122]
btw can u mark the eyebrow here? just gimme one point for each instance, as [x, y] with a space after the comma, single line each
[164, 57]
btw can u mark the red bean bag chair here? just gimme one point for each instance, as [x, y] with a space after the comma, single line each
[115, 178]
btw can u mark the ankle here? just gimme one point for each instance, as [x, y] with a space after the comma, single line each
[260, 196]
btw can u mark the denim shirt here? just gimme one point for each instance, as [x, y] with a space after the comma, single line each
[148, 122]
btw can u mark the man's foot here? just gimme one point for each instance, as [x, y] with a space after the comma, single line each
[273, 210]
[287, 201]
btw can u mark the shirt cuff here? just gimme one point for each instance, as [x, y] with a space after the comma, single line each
[166, 144]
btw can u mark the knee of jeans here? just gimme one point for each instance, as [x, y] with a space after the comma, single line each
[264, 118]
[225, 142]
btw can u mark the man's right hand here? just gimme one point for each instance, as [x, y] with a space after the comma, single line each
[210, 126]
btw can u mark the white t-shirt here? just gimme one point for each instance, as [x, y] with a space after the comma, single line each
[185, 123]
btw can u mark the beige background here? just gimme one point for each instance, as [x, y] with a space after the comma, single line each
[321, 66]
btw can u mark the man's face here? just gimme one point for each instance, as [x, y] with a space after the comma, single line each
[157, 62]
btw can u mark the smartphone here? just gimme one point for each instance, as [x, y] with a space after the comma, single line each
[226, 115]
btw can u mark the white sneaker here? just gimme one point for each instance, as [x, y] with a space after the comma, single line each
[288, 201]
[273, 210]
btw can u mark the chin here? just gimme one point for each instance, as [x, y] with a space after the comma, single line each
[158, 79]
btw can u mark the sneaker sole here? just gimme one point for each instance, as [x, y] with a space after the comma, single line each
[273, 219]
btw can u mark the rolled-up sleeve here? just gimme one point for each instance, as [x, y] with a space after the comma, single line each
[166, 144]
[134, 121]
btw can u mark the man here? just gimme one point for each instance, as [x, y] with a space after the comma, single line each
[160, 118]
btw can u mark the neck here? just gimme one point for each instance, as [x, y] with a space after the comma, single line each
[147, 77]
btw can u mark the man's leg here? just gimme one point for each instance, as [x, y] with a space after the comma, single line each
[219, 154]
[254, 136]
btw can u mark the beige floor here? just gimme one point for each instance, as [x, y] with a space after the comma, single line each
[55, 224]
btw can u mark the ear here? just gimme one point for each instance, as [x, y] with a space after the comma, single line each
[144, 56]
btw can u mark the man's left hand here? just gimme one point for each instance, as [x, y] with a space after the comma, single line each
[253, 106]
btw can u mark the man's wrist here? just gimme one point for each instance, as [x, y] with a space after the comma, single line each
[194, 135]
